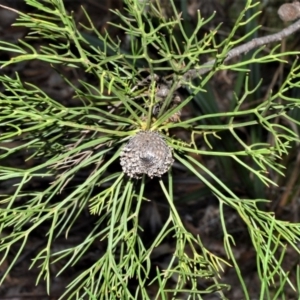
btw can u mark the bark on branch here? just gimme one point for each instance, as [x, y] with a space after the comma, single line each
[242, 49]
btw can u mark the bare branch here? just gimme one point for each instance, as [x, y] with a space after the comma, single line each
[255, 43]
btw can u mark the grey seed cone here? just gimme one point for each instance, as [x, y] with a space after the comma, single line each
[146, 153]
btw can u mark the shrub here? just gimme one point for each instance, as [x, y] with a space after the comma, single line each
[132, 88]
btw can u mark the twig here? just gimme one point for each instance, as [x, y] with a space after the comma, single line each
[255, 43]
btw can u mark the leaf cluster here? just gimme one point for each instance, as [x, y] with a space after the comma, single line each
[63, 141]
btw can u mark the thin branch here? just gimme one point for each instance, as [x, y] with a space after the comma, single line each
[242, 49]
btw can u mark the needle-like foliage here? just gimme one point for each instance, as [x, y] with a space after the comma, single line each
[62, 141]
